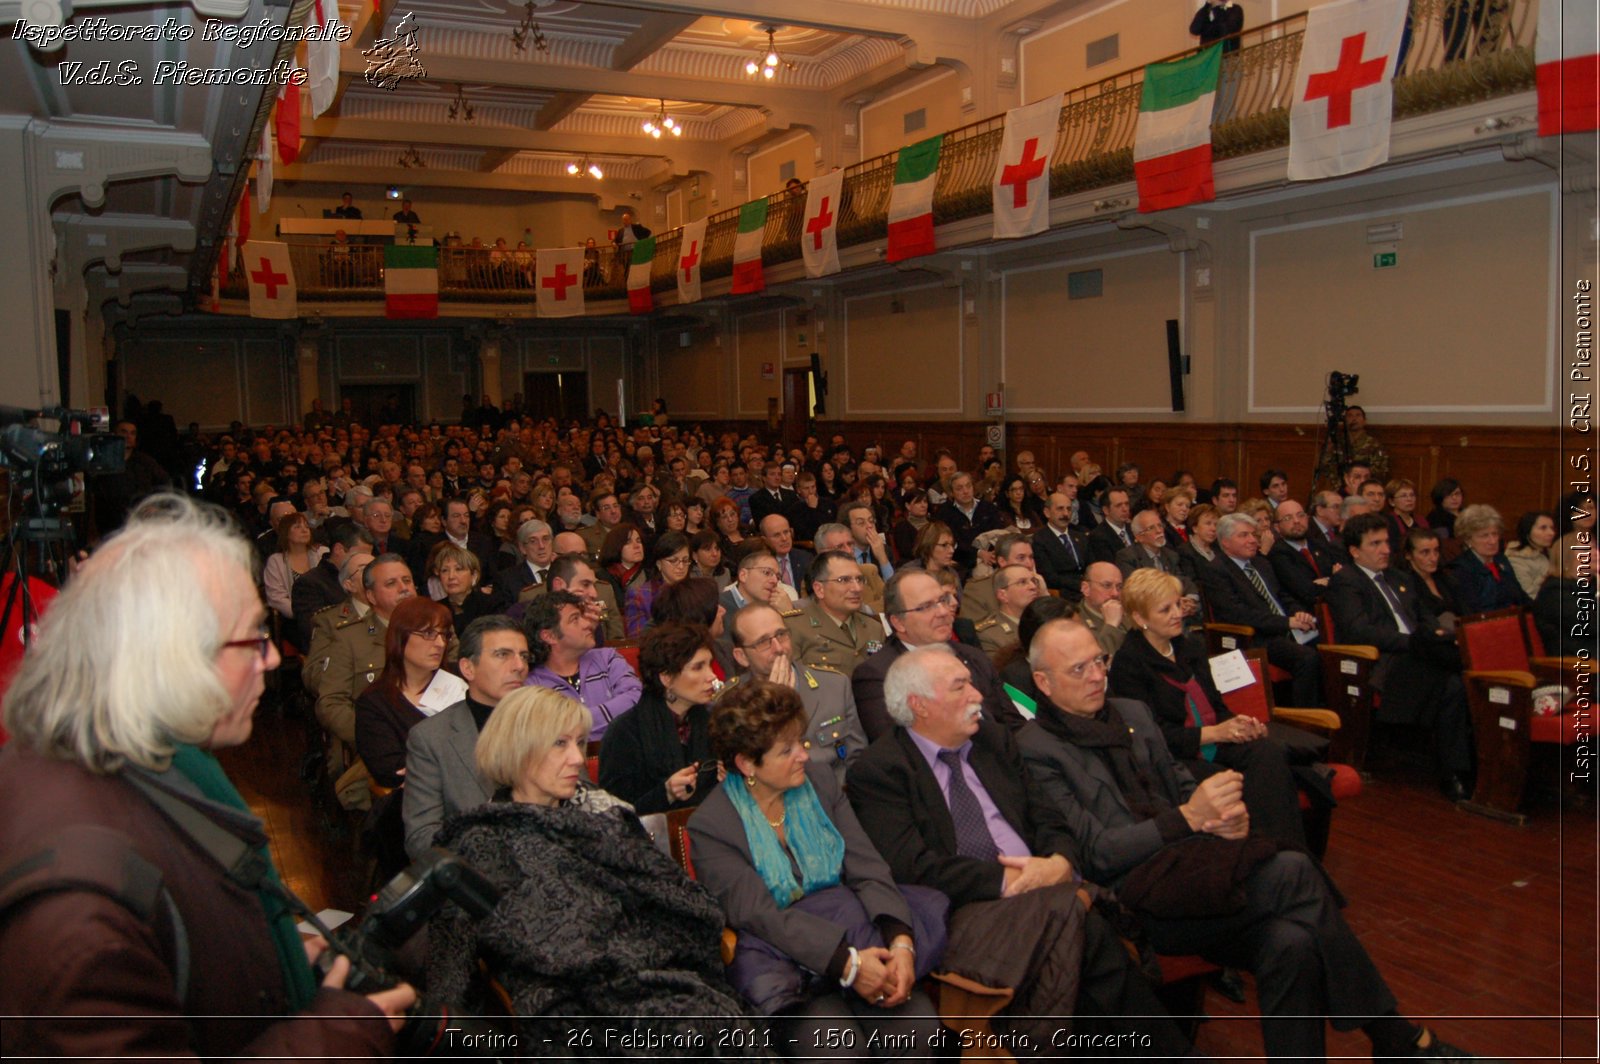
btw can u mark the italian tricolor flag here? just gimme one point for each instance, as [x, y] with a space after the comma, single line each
[411, 281]
[911, 200]
[747, 275]
[644, 253]
[1172, 143]
[1568, 67]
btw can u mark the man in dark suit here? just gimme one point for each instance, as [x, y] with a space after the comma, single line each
[537, 542]
[1150, 550]
[1302, 565]
[441, 766]
[793, 563]
[320, 588]
[1103, 766]
[1238, 590]
[968, 517]
[458, 530]
[1419, 667]
[1060, 550]
[946, 800]
[1112, 535]
[772, 497]
[922, 613]
[1323, 527]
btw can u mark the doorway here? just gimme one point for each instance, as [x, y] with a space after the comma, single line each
[797, 406]
[381, 404]
[563, 395]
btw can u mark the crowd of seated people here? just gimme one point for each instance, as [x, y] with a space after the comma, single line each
[652, 581]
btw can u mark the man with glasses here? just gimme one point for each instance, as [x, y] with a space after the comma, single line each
[756, 580]
[979, 601]
[1015, 588]
[833, 629]
[441, 768]
[945, 798]
[1150, 551]
[922, 613]
[561, 641]
[761, 644]
[1100, 609]
[1303, 565]
[1143, 826]
[793, 563]
[536, 542]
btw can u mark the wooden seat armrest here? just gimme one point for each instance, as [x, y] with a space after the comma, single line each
[1325, 719]
[1350, 650]
[972, 986]
[730, 940]
[1510, 677]
[1230, 629]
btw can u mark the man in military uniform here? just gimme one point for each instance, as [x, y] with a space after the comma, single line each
[330, 619]
[1016, 586]
[837, 537]
[833, 629]
[608, 515]
[762, 644]
[1101, 608]
[978, 599]
[1363, 447]
[354, 659]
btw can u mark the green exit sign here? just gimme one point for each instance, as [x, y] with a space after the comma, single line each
[1384, 260]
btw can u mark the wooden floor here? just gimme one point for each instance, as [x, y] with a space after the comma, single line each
[1485, 931]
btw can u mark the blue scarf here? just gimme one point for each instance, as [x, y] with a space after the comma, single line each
[817, 846]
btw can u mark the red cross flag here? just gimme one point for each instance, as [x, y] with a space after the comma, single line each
[1022, 173]
[560, 282]
[819, 237]
[1343, 99]
[691, 249]
[271, 276]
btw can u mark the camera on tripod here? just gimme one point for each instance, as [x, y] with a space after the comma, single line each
[43, 463]
[399, 911]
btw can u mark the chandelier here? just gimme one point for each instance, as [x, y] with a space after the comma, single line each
[411, 160]
[767, 65]
[585, 167]
[663, 123]
[529, 30]
[461, 107]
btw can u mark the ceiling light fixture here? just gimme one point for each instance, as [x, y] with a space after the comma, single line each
[586, 167]
[411, 160]
[529, 30]
[662, 123]
[461, 107]
[767, 65]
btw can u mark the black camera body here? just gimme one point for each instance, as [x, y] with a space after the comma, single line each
[706, 774]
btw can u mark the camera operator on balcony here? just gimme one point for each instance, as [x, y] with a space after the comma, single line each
[124, 929]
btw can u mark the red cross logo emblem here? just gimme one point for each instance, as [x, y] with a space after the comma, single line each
[1018, 174]
[817, 225]
[686, 264]
[1340, 83]
[268, 279]
[560, 281]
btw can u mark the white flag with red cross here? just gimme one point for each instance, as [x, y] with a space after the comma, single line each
[1343, 90]
[560, 282]
[271, 276]
[819, 237]
[1022, 173]
[691, 249]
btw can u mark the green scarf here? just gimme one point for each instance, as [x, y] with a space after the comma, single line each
[205, 772]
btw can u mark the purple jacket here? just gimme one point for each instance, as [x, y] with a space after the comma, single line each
[606, 684]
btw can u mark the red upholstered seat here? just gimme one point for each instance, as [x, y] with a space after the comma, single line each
[1346, 784]
[630, 654]
[1177, 969]
[1557, 728]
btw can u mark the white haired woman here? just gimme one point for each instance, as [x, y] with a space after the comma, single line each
[153, 657]
[594, 921]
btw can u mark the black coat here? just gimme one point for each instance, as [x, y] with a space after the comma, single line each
[1296, 574]
[1139, 672]
[899, 803]
[1413, 669]
[1233, 600]
[1061, 571]
[1104, 543]
[1481, 590]
[641, 749]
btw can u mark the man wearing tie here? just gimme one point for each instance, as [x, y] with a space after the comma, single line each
[1419, 667]
[1060, 550]
[537, 543]
[1106, 540]
[1240, 591]
[772, 497]
[1302, 565]
[793, 563]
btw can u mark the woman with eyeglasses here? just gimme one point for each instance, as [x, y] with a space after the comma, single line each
[1170, 674]
[935, 550]
[669, 563]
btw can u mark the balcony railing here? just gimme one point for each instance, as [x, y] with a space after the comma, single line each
[1453, 52]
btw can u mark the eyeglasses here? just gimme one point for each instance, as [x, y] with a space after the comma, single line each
[428, 635]
[261, 642]
[844, 581]
[675, 561]
[948, 602]
[764, 571]
[780, 636]
[1099, 663]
